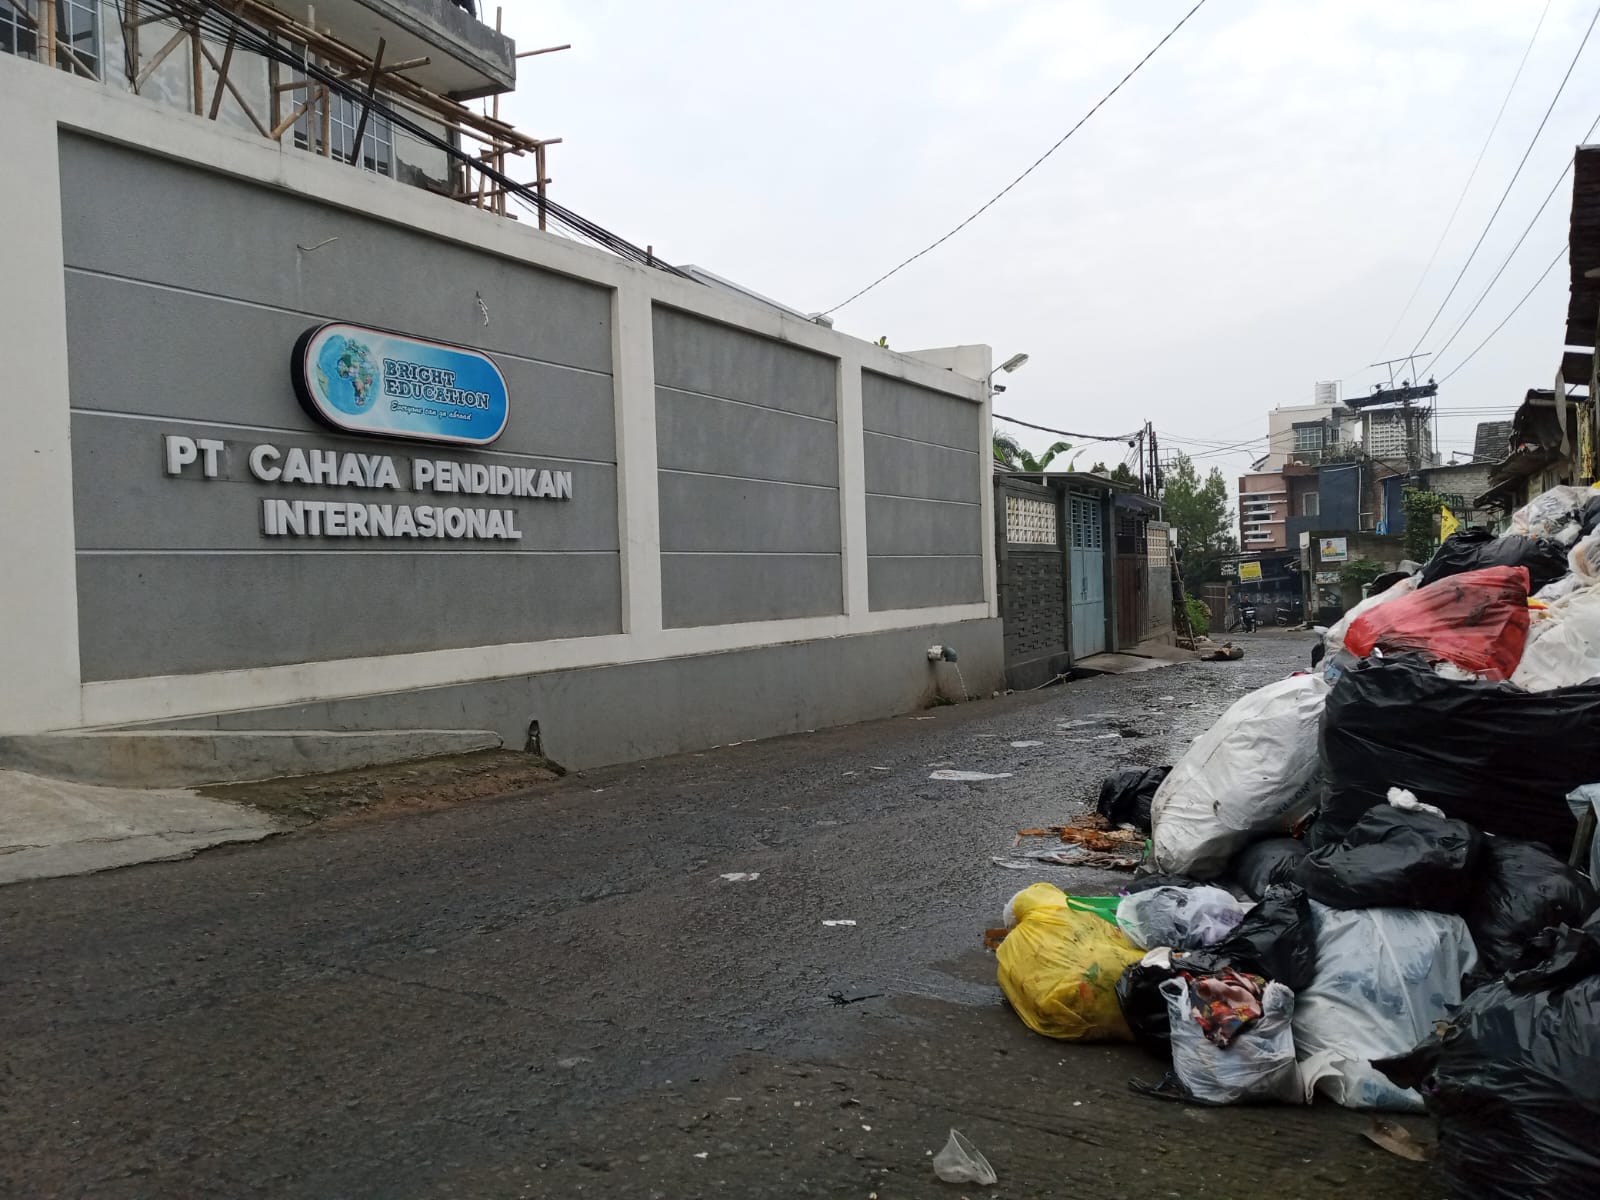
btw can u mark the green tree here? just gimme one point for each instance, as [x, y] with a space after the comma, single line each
[1198, 510]
[1124, 474]
[1421, 537]
[1009, 453]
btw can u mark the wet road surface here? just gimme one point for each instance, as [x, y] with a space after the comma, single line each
[556, 994]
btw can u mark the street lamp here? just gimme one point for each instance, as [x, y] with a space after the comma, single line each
[1011, 364]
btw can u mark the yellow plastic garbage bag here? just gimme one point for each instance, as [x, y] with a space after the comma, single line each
[1059, 968]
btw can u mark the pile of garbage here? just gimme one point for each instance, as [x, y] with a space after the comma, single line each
[1376, 881]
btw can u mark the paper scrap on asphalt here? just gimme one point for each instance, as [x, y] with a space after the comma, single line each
[742, 876]
[1025, 745]
[833, 923]
[969, 776]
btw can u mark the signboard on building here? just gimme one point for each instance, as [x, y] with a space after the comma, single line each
[1230, 568]
[368, 381]
[1250, 572]
[1327, 577]
[1333, 549]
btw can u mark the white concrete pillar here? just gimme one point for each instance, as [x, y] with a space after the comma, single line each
[852, 487]
[633, 382]
[39, 666]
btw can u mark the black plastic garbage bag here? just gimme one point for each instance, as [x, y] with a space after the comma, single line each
[1521, 889]
[1145, 882]
[1126, 794]
[1590, 516]
[1261, 864]
[1276, 940]
[1144, 1008]
[1513, 1083]
[1490, 754]
[1470, 549]
[1395, 858]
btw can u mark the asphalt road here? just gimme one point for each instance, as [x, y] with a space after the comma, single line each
[556, 994]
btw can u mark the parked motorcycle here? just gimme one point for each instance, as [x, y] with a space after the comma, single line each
[1247, 615]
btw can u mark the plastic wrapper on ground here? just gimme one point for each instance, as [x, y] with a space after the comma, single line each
[1059, 968]
[1384, 976]
[1253, 774]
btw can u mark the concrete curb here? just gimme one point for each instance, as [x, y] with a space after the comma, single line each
[191, 757]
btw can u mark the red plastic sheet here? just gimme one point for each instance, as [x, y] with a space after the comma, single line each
[1477, 620]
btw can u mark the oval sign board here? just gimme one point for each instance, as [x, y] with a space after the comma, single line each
[368, 381]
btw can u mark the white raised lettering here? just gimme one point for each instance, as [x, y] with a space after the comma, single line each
[292, 517]
[563, 485]
[512, 532]
[350, 472]
[405, 521]
[314, 510]
[356, 514]
[381, 518]
[455, 522]
[496, 525]
[210, 447]
[478, 477]
[547, 486]
[421, 474]
[427, 521]
[477, 523]
[325, 466]
[269, 518]
[334, 524]
[295, 469]
[385, 476]
[501, 483]
[263, 463]
[180, 452]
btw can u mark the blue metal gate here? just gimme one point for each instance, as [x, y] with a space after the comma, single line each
[1088, 577]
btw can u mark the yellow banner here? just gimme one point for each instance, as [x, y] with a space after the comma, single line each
[1447, 523]
[1249, 571]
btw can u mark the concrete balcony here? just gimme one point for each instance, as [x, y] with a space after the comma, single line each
[468, 58]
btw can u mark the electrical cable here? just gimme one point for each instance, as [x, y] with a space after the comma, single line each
[1559, 255]
[1471, 175]
[1514, 176]
[1036, 163]
[1088, 437]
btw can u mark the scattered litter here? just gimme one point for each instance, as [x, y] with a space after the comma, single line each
[1166, 699]
[703, 1154]
[742, 876]
[1082, 722]
[968, 776]
[850, 773]
[1025, 745]
[919, 718]
[1107, 737]
[961, 1162]
[866, 1128]
[880, 768]
[1097, 835]
[1070, 857]
[833, 923]
[1398, 1141]
[840, 1000]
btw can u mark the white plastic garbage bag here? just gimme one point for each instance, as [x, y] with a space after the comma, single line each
[1584, 559]
[1253, 774]
[1581, 800]
[1384, 976]
[1180, 917]
[1551, 512]
[1561, 588]
[1563, 647]
[1259, 1064]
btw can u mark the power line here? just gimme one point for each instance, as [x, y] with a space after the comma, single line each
[1036, 162]
[1559, 255]
[1514, 176]
[1088, 437]
[1471, 175]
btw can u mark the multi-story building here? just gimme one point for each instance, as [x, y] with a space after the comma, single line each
[1386, 432]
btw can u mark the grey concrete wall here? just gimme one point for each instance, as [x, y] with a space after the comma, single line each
[185, 293]
[748, 456]
[923, 481]
[604, 715]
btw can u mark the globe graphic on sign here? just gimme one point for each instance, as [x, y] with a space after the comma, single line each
[347, 374]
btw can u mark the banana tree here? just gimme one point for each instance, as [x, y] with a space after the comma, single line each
[1008, 452]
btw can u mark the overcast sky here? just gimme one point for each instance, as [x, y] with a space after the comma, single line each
[1247, 216]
